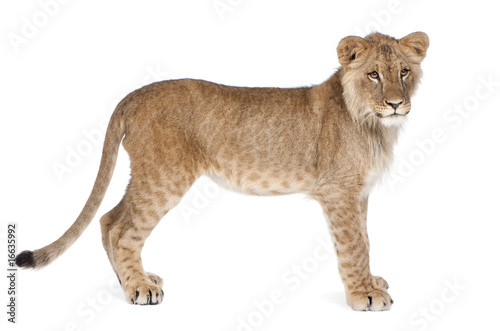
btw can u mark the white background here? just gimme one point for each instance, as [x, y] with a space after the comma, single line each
[433, 222]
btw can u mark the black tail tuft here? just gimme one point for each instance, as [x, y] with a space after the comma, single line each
[25, 260]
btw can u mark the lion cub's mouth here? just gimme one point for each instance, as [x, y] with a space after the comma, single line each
[392, 119]
[390, 115]
[394, 114]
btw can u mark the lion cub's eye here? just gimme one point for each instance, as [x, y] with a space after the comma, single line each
[404, 72]
[373, 75]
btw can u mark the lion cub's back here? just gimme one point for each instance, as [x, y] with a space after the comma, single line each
[260, 140]
[251, 137]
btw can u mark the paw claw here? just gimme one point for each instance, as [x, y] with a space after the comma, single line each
[141, 292]
[374, 300]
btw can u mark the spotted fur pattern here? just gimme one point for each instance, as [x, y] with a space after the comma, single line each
[330, 141]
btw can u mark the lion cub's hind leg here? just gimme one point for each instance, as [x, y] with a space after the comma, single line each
[154, 190]
[123, 241]
[109, 221]
[127, 237]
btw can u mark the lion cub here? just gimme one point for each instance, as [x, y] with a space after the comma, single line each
[330, 141]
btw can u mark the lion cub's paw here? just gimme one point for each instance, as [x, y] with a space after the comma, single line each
[379, 282]
[155, 279]
[374, 300]
[146, 293]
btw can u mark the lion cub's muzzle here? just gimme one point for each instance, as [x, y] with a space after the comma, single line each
[394, 108]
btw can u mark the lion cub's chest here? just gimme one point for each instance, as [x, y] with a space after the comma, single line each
[379, 165]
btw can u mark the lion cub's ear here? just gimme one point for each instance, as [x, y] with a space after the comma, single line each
[415, 46]
[351, 49]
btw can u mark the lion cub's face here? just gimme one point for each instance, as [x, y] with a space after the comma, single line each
[380, 76]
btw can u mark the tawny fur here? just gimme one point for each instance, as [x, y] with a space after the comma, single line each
[331, 141]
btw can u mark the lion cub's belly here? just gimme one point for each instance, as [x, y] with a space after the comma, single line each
[271, 181]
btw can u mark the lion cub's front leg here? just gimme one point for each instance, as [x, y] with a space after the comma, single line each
[344, 215]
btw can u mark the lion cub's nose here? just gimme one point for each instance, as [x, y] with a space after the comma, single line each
[394, 105]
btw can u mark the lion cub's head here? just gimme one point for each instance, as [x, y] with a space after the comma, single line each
[381, 74]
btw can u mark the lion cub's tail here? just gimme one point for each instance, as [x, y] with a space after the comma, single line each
[42, 257]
